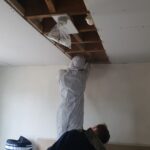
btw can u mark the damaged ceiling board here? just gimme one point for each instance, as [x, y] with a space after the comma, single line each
[124, 26]
[21, 44]
[85, 38]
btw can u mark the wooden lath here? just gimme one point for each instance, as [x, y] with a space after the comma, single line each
[89, 51]
[54, 7]
[85, 43]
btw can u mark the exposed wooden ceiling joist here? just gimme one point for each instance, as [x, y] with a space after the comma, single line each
[36, 8]
[39, 14]
[50, 5]
[89, 51]
[84, 42]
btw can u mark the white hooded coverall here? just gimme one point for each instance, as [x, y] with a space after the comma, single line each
[72, 84]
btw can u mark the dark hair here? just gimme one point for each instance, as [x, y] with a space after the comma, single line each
[103, 133]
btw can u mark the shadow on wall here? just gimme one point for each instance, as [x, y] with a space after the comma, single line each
[117, 95]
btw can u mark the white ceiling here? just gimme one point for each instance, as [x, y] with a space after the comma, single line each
[21, 44]
[124, 27]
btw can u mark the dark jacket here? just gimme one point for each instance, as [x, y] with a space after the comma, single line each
[73, 140]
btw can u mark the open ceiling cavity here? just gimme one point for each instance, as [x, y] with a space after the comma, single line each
[85, 40]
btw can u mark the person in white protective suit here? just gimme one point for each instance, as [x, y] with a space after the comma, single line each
[72, 84]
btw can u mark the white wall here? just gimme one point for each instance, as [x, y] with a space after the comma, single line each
[24, 46]
[124, 28]
[0, 104]
[29, 102]
[116, 94]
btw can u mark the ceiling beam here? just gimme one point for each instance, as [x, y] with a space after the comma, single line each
[85, 38]
[89, 51]
[54, 7]
[50, 5]
[86, 29]
[47, 15]
[81, 47]
[85, 42]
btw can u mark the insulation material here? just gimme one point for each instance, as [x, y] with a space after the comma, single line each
[59, 33]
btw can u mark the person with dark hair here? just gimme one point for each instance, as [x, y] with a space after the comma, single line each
[102, 132]
[91, 139]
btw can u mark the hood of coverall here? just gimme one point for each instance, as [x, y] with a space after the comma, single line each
[77, 63]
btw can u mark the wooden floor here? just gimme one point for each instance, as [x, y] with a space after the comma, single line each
[126, 147]
[43, 144]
